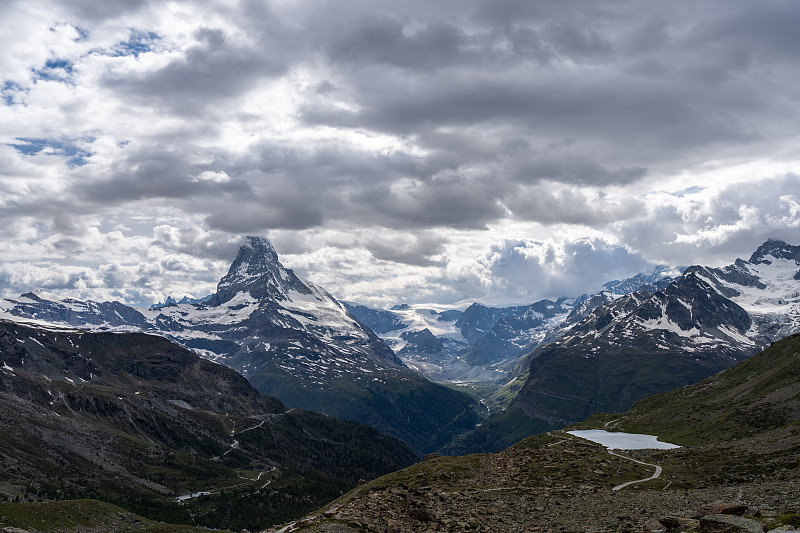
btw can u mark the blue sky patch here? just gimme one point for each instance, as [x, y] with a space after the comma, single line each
[691, 190]
[54, 70]
[11, 91]
[82, 34]
[139, 42]
[75, 156]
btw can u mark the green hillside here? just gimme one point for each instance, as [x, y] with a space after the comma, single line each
[761, 393]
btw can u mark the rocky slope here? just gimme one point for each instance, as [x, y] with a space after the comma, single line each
[136, 420]
[649, 342]
[292, 340]
[558, 482]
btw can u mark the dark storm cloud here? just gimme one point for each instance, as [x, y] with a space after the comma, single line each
[90, 10]
[154, 172]
[452, 201]
[495, 98]
[636, 122]
[547, 205]
[279, 211]
[656, 90]
[754, 32]
[409, 249]
[383, 41]
[213, 68]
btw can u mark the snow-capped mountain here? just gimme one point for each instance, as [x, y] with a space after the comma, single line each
[261, 307]
[646, 342]
[483, 343]
[738, 309]
[42, 307]
[292, 340]
[427, 338]
[516, 331]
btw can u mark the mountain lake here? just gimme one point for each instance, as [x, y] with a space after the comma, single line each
[623, 441]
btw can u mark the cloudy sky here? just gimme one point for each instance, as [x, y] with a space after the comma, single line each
[463, 150]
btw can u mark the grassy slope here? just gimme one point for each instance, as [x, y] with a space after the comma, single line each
[740, 429]
[86, 515]
[762, 392]
[564, 386]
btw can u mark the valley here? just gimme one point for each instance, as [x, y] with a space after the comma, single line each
[225, 412]
[559, 482]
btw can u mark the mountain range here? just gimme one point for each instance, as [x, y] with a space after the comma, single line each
[483, 344]
[646, 342]
[540, 366]
[292, 340]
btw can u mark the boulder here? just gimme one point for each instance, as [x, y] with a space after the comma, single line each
[724, 523]
[675, 522]
[418, 511]
[654, 526]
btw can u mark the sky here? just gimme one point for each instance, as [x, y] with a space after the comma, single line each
[500, 151]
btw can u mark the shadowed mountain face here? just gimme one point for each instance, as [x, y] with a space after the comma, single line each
[292, 340]
[136, 420]
[649, 342]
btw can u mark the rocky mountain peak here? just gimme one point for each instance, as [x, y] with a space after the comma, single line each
[256, 255]
[258, 270]
[775, 249]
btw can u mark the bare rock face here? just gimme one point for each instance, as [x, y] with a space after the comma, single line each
[724, 523]
[654, 526]
[676, 522]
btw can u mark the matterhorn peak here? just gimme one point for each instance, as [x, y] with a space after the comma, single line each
[260, 245]
[258, 271]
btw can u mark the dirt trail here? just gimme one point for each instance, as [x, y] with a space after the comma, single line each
[654, 476]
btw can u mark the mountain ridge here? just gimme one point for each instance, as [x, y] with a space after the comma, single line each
[645, 343]
[292, 340]
[136, 420]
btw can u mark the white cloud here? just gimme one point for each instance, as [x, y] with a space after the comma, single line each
[414, 153]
